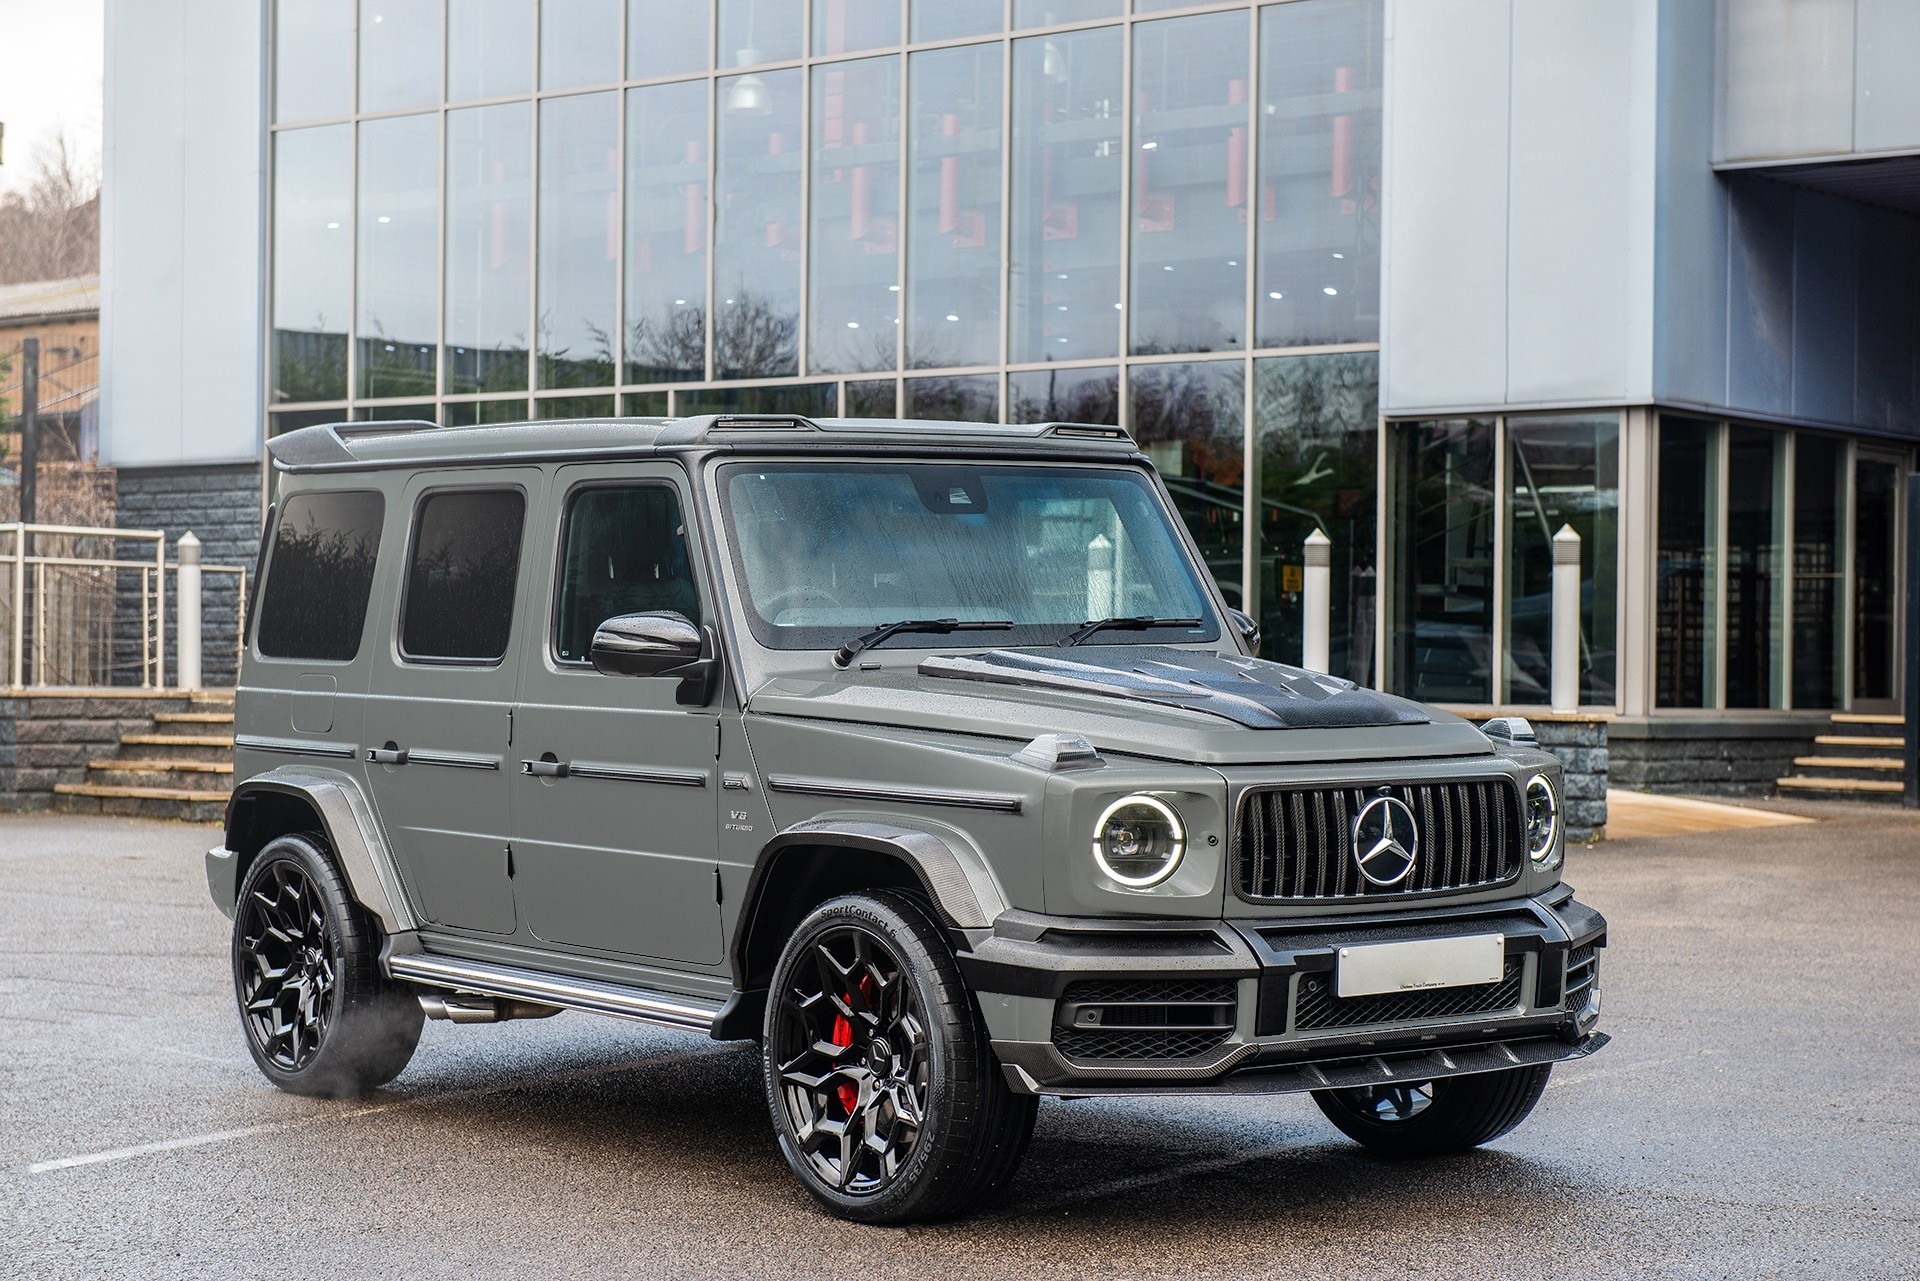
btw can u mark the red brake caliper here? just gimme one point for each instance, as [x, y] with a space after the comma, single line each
[843, 1036]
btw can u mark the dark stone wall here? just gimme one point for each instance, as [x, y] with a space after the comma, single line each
[48, 739]
[1729, 756]
[221, 505]
[1584, 763]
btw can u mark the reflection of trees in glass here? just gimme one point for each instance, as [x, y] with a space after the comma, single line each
[669, 348]
[1064, 396]
[967, 399]
[392, 367]
[501, 368]
[754, 339]
[1316, 422]
[1187, 417]
[460, 592]
[320, 577]
[564, 367]
[309, 365]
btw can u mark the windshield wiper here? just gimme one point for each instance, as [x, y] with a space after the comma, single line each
[1137, 623]
[938, 626]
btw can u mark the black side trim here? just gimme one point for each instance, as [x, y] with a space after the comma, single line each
[997, 802]
[296, 746]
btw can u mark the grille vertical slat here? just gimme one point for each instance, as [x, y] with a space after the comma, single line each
[1296, 843]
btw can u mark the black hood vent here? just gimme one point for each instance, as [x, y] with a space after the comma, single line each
[1247, 691]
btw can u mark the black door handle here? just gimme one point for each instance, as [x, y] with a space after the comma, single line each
[391, 754]
[546, 767]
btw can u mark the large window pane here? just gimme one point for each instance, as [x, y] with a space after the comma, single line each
[953, 251]
[815, 400]
[1045, 13]
[312, 262]
[756, 252]
[667, 232]
[1319, 210]
[755, 31]
[968, 398]
[853, 315]
[1190, 185]
[668, 39]
[312, 59]
[1064, 273]
[1876, 560]
[579, 43]
[1441, 643]
[1687, 595]
[1562, 470]
[1819, 566]
[849, 26]
[399, 54]
[461, 576]
[579, 231]
[1756, 565]
[1064, 396]
[489, 48]
[1316, 447]
[489, 228]
[399, 242]
[1188, 419]
[955, 19]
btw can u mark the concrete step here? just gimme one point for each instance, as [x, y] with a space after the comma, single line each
[178, 740]
[1849, 789]
[103, 791]
[193, 718]
[1860, 740]
[184, 776]
[199, 807]
[1867, 718]
[1850, 762]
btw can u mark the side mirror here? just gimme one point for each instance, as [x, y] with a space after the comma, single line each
[659, 643]
[1248, 629]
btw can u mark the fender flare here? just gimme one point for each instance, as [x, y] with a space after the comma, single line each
[953, 872]
[351, 828]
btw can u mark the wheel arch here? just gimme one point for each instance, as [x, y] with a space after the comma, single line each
[289, 800]
[814, 861]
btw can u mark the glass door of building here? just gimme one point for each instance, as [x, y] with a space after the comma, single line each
[1879, 500]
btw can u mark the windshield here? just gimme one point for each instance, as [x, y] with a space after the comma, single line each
[830, 550]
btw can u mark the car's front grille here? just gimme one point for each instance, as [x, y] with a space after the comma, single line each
[1317, 1007]
[1144, 1019]
[1297, 843]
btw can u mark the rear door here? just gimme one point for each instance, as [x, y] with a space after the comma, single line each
[438, 716]
[615, 799]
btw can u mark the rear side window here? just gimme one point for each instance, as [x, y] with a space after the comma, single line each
[461, 576]
[625, 553]
[320, 576]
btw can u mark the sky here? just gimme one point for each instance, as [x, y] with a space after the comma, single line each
[50, 69]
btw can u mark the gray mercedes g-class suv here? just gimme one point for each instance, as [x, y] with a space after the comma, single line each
[928, 755]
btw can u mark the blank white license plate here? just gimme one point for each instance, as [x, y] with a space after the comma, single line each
[1372, 968]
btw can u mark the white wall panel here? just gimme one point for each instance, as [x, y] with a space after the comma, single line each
[1787, 78]
[1886, 41]
[1444, 279]
[181, 230]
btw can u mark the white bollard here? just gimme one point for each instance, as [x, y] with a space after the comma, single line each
[187, 591]
[1316, 599]
[1566, 620]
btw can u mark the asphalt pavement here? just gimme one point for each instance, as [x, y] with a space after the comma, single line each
[1758, 1113]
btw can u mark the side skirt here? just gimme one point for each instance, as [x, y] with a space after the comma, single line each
[488, 979]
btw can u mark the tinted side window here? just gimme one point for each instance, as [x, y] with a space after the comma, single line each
[320, 576]
[625, 552]
[461, 578]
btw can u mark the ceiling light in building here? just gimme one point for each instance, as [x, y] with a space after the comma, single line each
[1117, 306]
[749, 96]
[1232, 262]
[1149, 146]
[679, 302]
[1052, 65]
[1339, 255]
[1062, 306]
[1330, 291]
[1275, 294]
[383, 218]
[333, 226]
[893, 289]
[1167, 268]
[853, 324]
[951, 316]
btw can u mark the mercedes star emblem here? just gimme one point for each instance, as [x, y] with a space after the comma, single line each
[1386, 841]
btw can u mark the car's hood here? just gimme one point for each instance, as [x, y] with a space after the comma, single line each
[1146, 700]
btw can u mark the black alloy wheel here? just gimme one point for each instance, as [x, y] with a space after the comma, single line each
[320, 1017]
[1435, 1118]
[884, 1092]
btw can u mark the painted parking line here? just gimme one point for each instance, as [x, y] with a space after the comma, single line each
[277, 1127]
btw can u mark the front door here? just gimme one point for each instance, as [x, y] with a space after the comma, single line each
[438, 717]
[615, 797]
[1879, 498]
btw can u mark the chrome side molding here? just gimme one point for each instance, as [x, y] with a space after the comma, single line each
[486, 979]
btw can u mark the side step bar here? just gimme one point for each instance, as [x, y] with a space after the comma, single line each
[690, 1013]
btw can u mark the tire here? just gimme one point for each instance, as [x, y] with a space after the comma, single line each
[908, 1118]
[1435, 1118]
[319, 1016]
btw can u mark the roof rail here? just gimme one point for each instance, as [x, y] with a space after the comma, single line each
[1086, 431]
[762, 422]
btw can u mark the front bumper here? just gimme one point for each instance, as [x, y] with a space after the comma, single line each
[1081, 1007]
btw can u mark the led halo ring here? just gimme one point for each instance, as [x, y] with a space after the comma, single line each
[1167, 812]
[1541, 852]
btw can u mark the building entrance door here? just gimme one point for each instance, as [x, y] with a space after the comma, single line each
[1879, 502]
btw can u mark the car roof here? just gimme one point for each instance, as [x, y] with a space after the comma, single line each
[364, 445]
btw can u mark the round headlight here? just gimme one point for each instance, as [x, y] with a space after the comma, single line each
[1138, 841]
[1543, 817]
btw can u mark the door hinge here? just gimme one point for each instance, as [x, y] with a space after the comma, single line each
[509, 862]
[719, 894]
